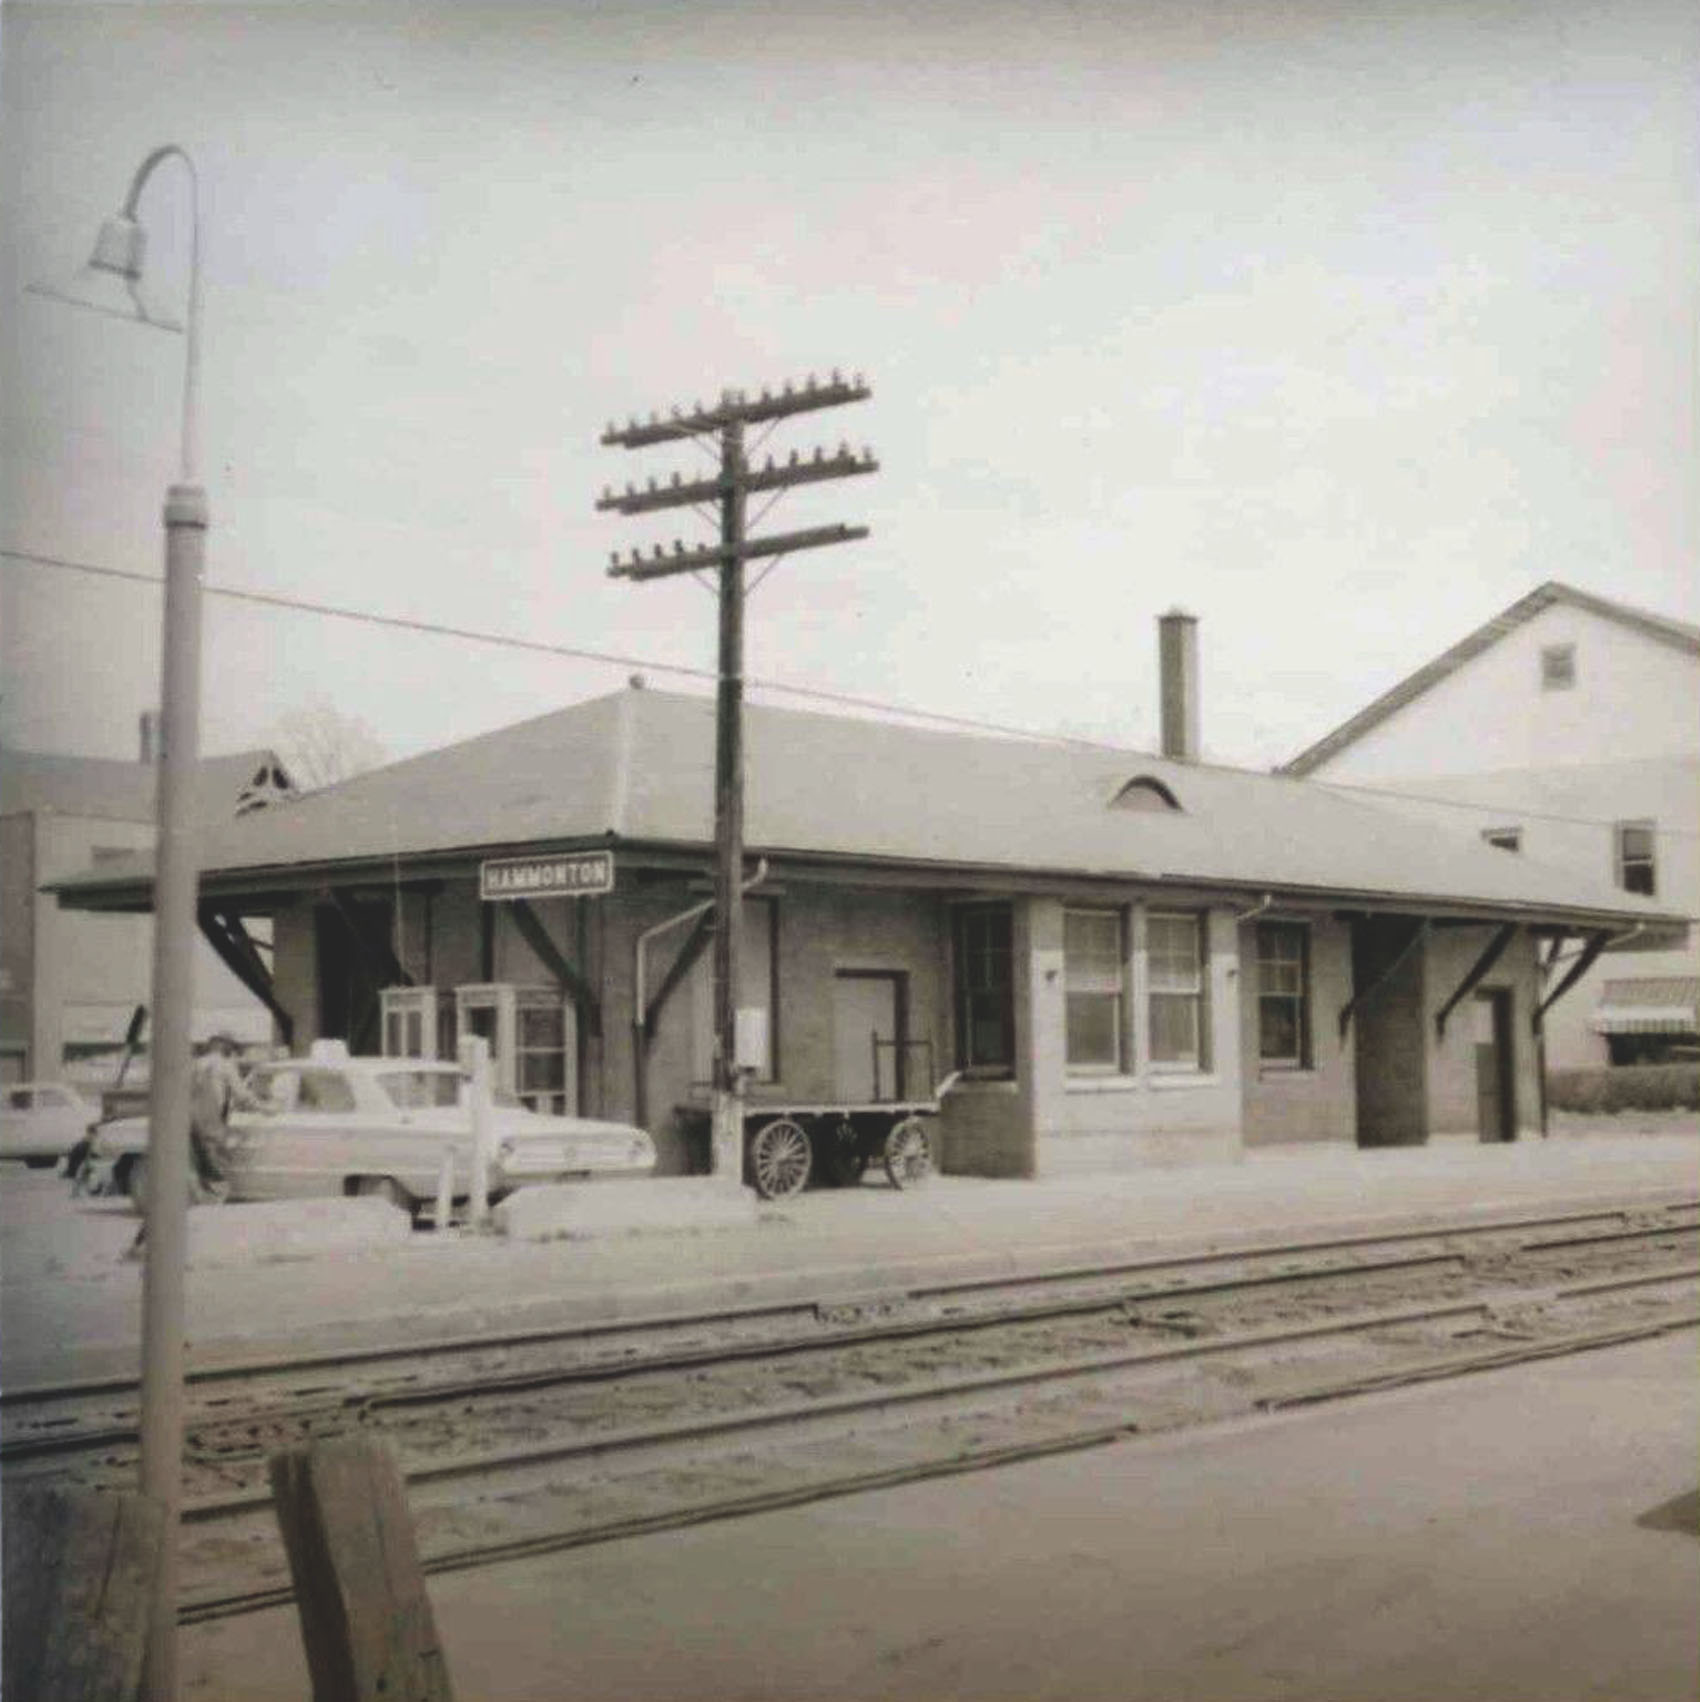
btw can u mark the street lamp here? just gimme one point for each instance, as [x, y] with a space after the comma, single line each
[112, 283]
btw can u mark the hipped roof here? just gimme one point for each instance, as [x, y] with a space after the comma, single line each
[637, 768]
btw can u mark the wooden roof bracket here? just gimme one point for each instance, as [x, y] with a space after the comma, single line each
[1491, 955]
[695, 944]
[1585, 959]
[579, 990]
[240, 954]
[1418, 935]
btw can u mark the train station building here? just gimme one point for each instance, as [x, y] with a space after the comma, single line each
[1120, 959]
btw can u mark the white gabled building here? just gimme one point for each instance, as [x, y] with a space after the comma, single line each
[1565, 729]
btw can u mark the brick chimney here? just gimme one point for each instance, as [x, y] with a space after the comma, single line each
[149, 725]
[1177, 662]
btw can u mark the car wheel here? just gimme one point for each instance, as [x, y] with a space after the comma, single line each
[386, 1188]
[41, 1163]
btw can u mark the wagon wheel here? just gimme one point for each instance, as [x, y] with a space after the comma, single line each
[908, 1153]
[846, 1162]
[780, 1157]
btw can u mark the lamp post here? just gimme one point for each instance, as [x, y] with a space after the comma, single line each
[111, 283]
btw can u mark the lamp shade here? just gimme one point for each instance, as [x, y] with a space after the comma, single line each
[111, 282]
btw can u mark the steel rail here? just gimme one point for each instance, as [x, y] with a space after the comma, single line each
[1499, 1356]
[359, 1405]
[478, 1464]
[590, 1330]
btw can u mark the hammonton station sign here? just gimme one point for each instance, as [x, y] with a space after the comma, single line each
[584, 875]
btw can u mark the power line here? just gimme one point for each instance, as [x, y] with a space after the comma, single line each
[508, 641]
[401, 623]
[1502, 814]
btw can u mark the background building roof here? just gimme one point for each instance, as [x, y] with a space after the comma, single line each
[105, 789]
[637, 767]
[1677, 634]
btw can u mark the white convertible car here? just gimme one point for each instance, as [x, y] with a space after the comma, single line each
[340, 1125]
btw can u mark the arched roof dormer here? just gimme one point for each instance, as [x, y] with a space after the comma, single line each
[1145, 792]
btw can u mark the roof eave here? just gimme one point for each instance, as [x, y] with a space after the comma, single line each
[135, 893]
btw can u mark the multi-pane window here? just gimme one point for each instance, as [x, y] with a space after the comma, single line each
[1175, 959]
[1093, 956]
[540, 1056]
[1635, 867]
[1506, 838]
[1558, 667]
[985, 989]
[1283, 994]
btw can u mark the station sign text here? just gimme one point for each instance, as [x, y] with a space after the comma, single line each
[565, 876]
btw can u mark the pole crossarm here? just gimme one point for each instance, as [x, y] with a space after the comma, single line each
[771, 475]
[660, 563]
[736, 407]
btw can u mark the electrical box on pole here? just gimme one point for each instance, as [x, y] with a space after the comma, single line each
[727, 491]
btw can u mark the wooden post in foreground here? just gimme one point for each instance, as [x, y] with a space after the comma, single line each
[79, 1581]
[365, 1617]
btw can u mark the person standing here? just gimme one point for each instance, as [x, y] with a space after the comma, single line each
[216, 1088]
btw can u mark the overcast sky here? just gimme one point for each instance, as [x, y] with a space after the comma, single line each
[1341, 325]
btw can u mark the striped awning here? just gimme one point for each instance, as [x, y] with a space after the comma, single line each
[1649, 1004]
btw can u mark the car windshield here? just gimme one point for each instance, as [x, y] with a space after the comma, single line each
[421, 1090]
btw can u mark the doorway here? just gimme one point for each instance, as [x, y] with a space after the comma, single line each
[349, 981]
[870, 1018]
[1496, 1099]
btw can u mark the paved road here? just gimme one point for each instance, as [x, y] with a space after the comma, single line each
[1518, 1536]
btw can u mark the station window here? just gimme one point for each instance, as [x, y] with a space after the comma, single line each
[1635, 863]
[540, 1055]
[1558, 667]
[985, 990]
[1093, 958]
[1175, 958]
[1283, 994]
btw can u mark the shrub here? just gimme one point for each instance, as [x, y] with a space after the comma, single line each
[1626, 1087]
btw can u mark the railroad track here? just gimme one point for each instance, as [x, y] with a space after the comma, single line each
[550, 1440]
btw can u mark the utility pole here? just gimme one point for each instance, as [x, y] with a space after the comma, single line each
[729, 489]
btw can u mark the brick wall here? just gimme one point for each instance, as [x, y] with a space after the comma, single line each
[1319, 1101]
[1451, 1075]
[1390, 1052]
[1097, 1121]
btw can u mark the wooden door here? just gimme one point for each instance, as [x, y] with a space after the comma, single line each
[867, 1024]
[1496, 1111]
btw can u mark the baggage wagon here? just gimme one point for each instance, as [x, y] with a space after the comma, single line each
[833, 1143]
